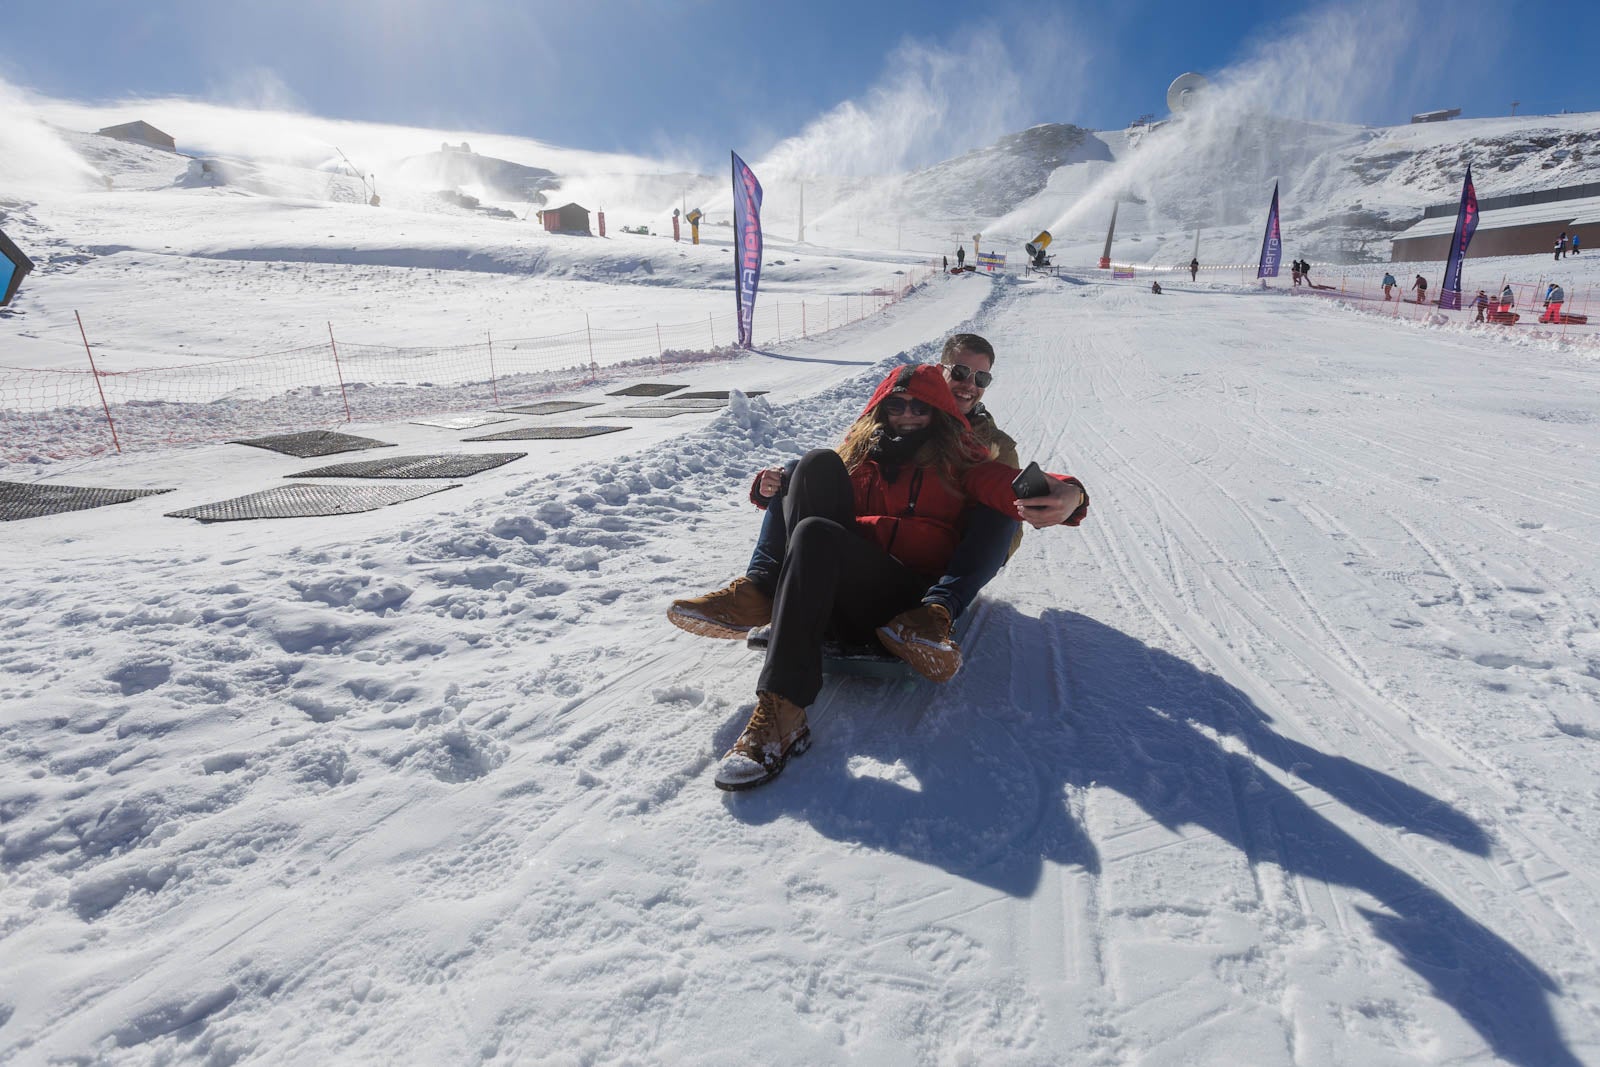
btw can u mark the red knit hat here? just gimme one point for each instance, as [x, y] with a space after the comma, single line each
[922, 382]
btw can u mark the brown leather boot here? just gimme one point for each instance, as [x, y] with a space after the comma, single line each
[777, 730]
[921, 637]
[728, 613]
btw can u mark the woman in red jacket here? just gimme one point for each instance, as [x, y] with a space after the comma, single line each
[871, 527]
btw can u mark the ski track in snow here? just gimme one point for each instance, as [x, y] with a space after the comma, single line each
[1284, 757]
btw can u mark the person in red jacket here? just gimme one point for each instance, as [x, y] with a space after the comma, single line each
[871, 528]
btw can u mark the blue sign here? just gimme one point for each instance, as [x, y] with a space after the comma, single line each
[746, 245]
[1272, 242]
[13, 265]
[1466, 226]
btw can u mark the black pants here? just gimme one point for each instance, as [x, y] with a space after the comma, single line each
[833, 580]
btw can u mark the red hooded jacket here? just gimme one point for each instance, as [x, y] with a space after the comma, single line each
[917, 518]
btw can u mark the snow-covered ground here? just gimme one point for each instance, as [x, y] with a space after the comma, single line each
[1286, 756]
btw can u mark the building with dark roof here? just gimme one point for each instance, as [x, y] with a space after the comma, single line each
[141, 133]
[568, 218]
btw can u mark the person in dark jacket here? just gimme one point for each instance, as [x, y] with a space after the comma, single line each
[1481, 302]
[870, 526]
[1421, 286]
[1194, 268]
[961, 256]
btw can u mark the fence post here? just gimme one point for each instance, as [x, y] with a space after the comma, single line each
[494, 386]
[661, 353]
[594, 368]
[777, 317]
[803, 319]
[339, 371]
[95, 374]
[712, 320]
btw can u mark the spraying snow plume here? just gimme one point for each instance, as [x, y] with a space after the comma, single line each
[933, 103]
[33, 157]
[1271, 116]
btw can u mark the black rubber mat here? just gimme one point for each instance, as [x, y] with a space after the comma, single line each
[304, 501]
[660, 409]
[545, 433]
[716, 394]
[451, 466]
[313, 443]
[646, 389]
[549, 407]
[460, 422]
[31, 500]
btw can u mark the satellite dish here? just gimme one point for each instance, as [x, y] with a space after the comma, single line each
[1185, 91]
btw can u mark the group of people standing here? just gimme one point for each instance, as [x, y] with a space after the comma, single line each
[1300, 271]
[1562, 244]
[886, 538]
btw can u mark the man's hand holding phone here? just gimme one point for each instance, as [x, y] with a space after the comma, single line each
[1042, 500]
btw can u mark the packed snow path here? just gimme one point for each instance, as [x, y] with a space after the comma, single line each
[1285, 757]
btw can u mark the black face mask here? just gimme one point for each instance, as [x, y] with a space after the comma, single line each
[892, 453]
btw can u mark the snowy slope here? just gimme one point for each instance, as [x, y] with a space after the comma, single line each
[1286, 756]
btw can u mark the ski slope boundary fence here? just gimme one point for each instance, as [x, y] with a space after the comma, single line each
[67, 413]
[1360, 288]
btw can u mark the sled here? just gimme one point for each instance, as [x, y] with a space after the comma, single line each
[1504, 318]
[864, 659]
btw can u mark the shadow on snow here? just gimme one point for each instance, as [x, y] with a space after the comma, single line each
[1046, 708]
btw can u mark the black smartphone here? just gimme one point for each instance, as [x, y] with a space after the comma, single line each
[1031, 482]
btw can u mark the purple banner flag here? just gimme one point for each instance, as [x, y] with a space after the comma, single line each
[746, 245]
[1466, 226]
[1272, 243]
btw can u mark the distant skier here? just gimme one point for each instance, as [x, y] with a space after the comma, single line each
[1388, 285]
[1554, 297]
[1421, 286]
[961, 257]
[1155, 287]
[1194, 268]
[1481, 302]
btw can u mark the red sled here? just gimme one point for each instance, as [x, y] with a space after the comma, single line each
[1559, 317]
[1504, 318]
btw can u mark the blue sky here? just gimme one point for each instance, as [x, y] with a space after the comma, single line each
[693, 78]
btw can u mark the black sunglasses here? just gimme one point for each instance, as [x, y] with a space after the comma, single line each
[960, 372]
[899, 405]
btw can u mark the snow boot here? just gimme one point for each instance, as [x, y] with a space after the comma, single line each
[921, 637]
[728, 613]
[777, 730]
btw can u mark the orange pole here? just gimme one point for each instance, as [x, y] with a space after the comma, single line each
[493, 384]
[95, 373]
[339, 371]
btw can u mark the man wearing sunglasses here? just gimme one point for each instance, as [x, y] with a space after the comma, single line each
[990, 537]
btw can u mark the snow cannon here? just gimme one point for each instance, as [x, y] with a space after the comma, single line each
[13, 265]
[1036, 249]
[694, 218]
